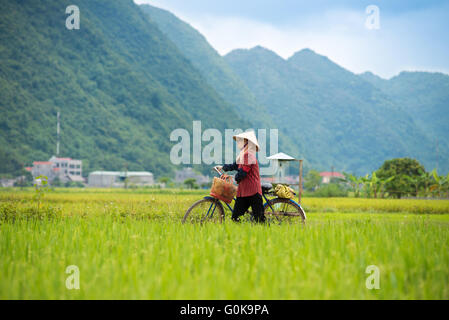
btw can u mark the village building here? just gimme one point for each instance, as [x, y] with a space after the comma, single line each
[120, 179]
[327, 176]
[64, 169]
[188, 173]
[10, 182]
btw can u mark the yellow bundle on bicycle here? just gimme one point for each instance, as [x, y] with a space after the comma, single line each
[283, 191]
[223, 188]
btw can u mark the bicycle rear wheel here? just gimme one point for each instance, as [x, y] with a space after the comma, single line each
[281, 210]
[205, 210]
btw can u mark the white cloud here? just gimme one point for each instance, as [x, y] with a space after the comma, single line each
[339, 35]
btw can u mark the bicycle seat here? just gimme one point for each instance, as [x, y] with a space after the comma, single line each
[266, 186]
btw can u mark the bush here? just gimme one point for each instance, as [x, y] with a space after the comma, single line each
[74, 184]
[330, 190]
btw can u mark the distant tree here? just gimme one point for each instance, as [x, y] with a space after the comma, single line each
[382, 182]
[369, 184]
[165, 180]
[428, 182]
[446, 185]
[331, 190]
[9, 163]
[374, 185]
[56, 182]
[440, 183]
[74, 184]
[354, 182]
[402, 169]
[24, 180]
[206, 185]
[191, 183]
[313, 180]
[419, 182]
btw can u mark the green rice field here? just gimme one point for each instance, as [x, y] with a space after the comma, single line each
[130, 244]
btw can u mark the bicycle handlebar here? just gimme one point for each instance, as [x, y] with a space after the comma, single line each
[219, 171]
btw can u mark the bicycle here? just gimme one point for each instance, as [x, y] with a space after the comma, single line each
[276, 210]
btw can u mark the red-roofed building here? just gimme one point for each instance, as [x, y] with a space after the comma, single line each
[42, 168]
[65, 169]
[326, 176]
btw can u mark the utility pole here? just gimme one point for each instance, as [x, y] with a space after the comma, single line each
[57, 135]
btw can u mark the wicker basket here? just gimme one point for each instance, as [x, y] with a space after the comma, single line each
[223, 188]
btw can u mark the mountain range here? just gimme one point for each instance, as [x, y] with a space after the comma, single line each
[132, 74]
[331, 116]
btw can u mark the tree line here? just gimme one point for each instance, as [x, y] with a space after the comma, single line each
[396, 178]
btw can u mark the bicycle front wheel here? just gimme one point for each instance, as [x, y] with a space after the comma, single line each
[281, 210]
[205, 210]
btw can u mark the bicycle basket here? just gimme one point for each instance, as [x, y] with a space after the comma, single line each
[223, 188]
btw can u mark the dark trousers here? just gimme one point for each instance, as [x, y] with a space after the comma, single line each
[243, 203]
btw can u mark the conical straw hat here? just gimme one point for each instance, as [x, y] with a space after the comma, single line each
[250, 135]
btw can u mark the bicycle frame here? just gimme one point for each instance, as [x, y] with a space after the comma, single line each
[214, 205]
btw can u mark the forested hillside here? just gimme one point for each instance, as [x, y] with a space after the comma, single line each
[121, 87]
[342, 119]
[207, 60]
[425, 96]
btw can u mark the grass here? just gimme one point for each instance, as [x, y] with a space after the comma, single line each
[132, 245]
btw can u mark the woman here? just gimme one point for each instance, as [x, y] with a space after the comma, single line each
[249, 191]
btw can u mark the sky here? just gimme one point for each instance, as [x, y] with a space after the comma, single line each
[412, 35]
